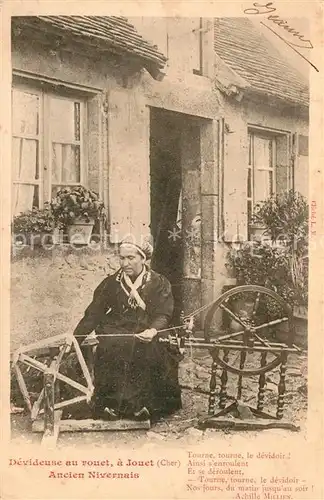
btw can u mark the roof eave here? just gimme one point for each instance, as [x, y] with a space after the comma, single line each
[155, 69]
[254, 94]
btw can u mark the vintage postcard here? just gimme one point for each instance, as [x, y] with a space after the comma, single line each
[162, 250]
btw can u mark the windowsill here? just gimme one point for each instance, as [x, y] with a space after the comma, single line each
[57, 241]
[19, 252]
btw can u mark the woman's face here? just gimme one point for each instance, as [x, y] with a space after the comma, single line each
[131, 260]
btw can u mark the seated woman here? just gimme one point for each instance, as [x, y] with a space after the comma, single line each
[135, 375]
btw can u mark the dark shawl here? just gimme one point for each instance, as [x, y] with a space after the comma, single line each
[130, 374]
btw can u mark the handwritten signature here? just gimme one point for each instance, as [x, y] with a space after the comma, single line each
[264, 9]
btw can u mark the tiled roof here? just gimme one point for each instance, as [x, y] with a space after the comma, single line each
[109, 31]
[252, 56]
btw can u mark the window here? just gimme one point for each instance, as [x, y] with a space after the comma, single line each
[47, 145]
[270, 168]
[196, 46]
[262, 169]
[65, 142]
[26, 150]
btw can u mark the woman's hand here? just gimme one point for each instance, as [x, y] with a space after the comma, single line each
[147, 335]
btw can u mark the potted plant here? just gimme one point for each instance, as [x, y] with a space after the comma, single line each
[36, 226]
[279, 263]
[284, 218]
[264, 264]
[77, 209]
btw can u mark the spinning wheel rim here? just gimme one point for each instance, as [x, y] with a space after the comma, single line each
[246, 371]
[215, 350]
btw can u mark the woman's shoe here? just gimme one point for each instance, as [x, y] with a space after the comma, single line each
[142, 415]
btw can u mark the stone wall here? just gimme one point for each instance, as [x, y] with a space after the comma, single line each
[50, 289]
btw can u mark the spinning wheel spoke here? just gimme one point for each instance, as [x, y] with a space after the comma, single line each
[36, 406]
[264, 342]
[233, 316]
[230, 336]
[23, 387]
[256, 304]
[271, 323]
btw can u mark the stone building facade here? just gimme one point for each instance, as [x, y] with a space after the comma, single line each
[158, 119]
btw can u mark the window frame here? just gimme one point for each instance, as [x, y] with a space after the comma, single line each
[46, 91]
[274, 135]
[39, 137]
[48, 143]
[198, 36]
[253, 167]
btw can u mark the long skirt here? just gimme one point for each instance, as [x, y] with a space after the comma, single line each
[130, 374]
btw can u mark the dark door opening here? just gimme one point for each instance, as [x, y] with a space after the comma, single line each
[166, 182]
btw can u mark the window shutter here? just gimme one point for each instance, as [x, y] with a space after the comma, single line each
[196, 45]
[284, 175]
[301, 165]
[94, 144]
[26, 146]
[235, 180]
[302, 145]
[128, 152]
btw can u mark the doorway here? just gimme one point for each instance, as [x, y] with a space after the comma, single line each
[175, 200]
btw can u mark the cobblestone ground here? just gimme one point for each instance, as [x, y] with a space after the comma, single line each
[181, 428]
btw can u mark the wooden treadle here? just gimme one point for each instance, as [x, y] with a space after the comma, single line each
[246, 424]
[70, 425]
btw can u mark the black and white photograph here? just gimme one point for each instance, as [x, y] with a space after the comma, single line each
[161, 221]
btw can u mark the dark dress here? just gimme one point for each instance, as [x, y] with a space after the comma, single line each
[130, 374]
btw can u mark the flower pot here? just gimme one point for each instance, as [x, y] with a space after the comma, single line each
[257, 232]
[79, 233]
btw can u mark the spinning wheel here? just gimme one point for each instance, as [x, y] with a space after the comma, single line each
[32, 357]
[250, 319]
[46, 359]
[248, 331]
